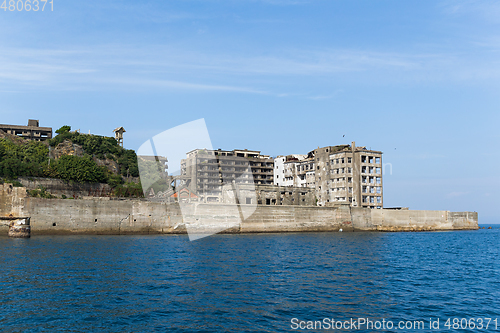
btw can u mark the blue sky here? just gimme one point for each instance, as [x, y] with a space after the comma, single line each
[418, 80]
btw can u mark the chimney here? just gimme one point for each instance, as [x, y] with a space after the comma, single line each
[353, 146]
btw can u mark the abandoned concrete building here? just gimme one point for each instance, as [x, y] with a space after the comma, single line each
[247, 194]
[207, 171]
[339, 174]
[328, 176]
[31, 132]
[294, 170]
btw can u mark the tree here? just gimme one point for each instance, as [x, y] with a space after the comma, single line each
[64, 129]
[80, 169]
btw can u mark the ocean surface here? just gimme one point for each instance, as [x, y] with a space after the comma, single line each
[250, 283]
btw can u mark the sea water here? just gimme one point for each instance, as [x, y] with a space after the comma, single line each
[251, 283]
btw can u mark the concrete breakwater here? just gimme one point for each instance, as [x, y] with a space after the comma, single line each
[106, 216]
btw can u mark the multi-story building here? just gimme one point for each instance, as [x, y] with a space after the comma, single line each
[206, 171]
[339, 174]
[349, 174]
[31, 132]
[286, 170]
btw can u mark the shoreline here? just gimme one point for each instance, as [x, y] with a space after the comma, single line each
[138, 216]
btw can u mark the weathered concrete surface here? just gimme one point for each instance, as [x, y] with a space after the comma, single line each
[422, 220]
[11, 204]
[60, 187]
[98, 216]
[105, 216]
[297, 218]
[101, 216]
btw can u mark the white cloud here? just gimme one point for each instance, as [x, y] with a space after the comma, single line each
[482, 9]
[168, 67]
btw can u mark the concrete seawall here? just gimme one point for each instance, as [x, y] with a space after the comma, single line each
[105, 216]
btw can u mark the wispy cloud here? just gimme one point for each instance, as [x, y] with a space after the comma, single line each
[166, 67]
[328, 96]
[483, 9]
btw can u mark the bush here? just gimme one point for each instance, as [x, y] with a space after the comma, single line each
[80, 169]
[129, 190]
[41, 192]
[115, 180]
[64, 129]
[14, 182]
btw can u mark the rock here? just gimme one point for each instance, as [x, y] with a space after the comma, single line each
[66, 148]
[20, 228]
[108, 163]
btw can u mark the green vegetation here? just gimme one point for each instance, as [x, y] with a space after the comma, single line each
[41, 192]
[339, 148]
[101, 147]
[128, 190]
[25, 159]
[14, 182]
[81, 169]
[19, 158]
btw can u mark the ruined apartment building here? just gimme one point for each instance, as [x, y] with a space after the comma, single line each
[339, 174]
[31, 132]
[206, 171]
[294, 171]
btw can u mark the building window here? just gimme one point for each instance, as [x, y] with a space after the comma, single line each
[379, 180]
[363, 159]
[377, 160]
[379, 189]
[349, 160]
[379, 199]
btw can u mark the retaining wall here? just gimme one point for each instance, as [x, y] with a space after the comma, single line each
[60, 187]
[107, 216]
